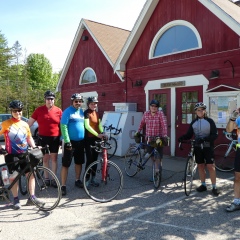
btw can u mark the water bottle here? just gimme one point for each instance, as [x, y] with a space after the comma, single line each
[5, 177]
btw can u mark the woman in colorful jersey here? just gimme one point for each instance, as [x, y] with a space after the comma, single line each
[93, 132]
[17, 139]
[48, 117]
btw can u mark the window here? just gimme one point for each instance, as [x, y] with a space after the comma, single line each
[175, 37]
[162, 98]
[87, 76]
[189, 99]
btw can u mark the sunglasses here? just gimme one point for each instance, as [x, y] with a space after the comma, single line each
[50, 99]
[17, 110]
[76, 101]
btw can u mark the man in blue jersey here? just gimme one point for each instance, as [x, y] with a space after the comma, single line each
[72, 128]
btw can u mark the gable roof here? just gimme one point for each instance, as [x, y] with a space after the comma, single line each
[109, 39]
[226, 11]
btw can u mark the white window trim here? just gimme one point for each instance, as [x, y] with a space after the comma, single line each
[164, 29]
[80, 79]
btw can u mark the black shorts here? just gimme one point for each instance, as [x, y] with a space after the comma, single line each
[52, 142]
[237, 161]
[9, 158]
[205, 155]
[77, 152]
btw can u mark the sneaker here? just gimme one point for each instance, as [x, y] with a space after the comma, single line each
[53, 183]
[94, 183]
[215, 191]
[201, 188]
[16, 204]
[30, 203]
[79, 184]
[64, 190]
[47, 182]
[233, 207]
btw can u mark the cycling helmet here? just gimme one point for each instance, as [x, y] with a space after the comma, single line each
[200, 105]
[92, 99]
[76, 96]
[49, 94]
[156, 102]
[16, 104]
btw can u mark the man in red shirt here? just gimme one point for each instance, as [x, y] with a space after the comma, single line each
[48, 117]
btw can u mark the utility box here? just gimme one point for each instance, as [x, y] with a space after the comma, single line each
[126, 120]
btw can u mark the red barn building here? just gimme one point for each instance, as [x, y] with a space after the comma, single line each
[179, 52]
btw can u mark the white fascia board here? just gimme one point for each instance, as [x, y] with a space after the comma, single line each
[135, 34]
[71, 52]
[223, 16]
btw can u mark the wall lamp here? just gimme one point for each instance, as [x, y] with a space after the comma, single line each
[138, 83]
[233, 71]
[214, 74]
[103, 94]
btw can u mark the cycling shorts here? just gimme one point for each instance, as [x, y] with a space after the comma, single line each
[237, 161]
[204, 155]
[52, 142]
[77, 152]
[9, 158]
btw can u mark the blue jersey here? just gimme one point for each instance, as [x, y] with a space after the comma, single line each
[73, 119]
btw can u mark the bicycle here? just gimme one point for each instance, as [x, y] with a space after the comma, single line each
[224, 153]
[190, 169]
[50, 197]
[104, 172]
[134, 162]
[112, 141]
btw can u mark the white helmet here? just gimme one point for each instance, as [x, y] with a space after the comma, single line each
[200, 105]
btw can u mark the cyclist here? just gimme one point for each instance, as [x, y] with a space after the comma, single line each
[205, 132]
[17, 139]
[155, 123]
[72, 128]
[48, 117]
[93, 132]
[234, 123]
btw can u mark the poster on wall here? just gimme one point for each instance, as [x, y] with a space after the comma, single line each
[221, 108]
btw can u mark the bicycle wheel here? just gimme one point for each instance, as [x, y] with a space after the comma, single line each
[23, 184]
[49, 196]
[132, 161]
[113, 148]
[190, 170]
[157, 175]
[106, 190]
[224, 163]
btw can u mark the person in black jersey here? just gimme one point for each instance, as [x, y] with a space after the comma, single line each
[205, 132]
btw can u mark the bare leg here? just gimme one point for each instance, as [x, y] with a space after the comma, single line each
[237, 185]
[64, 174]
[212, 173]
[202, 172]
[78, 170]
[46, 160]
[54, 162]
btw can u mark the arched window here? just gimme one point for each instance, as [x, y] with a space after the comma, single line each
[175, 37]
[87, 76]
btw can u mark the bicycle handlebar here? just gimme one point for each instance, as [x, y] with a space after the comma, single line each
[229, 135]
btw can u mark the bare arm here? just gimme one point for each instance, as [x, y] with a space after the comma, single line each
[31, 142]
[231, 126]
[31, 121]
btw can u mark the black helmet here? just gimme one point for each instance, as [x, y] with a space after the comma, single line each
[92, 99]
[156, 102]
[76, 96]
[49, 93]
[16, 104]
[200, 105]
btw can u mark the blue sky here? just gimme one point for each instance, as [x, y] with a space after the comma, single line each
[49, 26]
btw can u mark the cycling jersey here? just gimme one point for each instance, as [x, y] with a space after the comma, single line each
[16, 132]
[72, 124]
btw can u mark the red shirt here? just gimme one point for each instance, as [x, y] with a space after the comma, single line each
[48, 121]
[155, 124]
